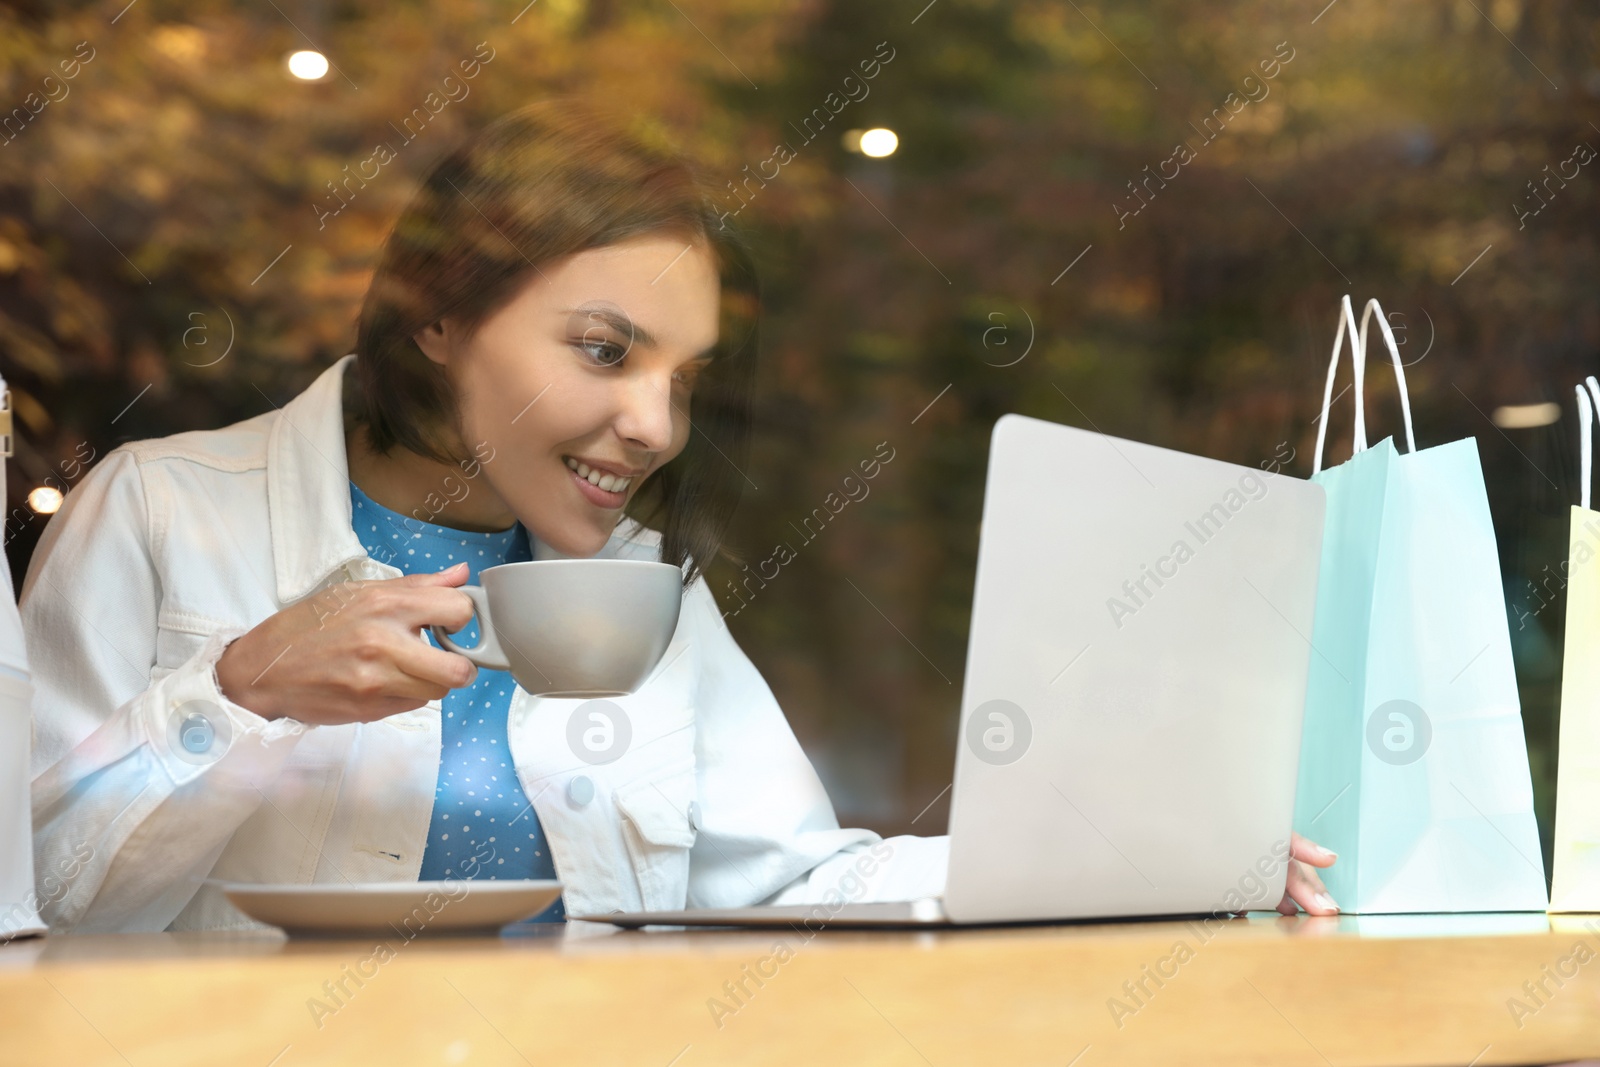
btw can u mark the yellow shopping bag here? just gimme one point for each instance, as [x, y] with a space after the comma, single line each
[1576, 863]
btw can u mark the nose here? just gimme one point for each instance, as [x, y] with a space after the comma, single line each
[644, 418]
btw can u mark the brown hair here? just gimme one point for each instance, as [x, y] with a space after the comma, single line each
[546, 181]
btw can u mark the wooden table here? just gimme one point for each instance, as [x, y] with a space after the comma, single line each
[1263, 990]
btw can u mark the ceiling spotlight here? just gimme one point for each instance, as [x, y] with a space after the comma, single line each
[879, 142]
[308, 66]
[1525, 416]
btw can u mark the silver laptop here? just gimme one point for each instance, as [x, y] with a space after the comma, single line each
[1136, 678]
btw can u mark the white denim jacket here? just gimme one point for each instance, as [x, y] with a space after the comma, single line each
[169, 548]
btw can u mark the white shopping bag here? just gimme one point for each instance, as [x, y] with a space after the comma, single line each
[1575, 865]
[19, 912]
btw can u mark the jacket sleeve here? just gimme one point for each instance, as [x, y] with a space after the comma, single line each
[767, 831]
[140, 773]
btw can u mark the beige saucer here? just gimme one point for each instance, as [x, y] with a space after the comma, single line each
[401, 909]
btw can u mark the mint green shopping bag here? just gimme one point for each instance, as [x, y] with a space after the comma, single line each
[1413, 765]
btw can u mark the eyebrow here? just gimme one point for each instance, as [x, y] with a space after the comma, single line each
[628, 328]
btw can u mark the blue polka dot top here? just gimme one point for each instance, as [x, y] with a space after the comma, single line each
[479, 807]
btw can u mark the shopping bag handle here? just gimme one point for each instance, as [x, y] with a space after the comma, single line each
[1587, 412]
[1358, 359]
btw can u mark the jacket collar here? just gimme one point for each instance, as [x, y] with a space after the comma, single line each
[308, 487]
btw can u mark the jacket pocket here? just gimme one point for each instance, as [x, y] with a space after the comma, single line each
[284, 839]
[173, 650]
[179, 636]
[659, 833]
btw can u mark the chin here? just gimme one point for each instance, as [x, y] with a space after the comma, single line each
[577, 544]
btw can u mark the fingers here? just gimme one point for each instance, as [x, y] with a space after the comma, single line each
[412, 673]
[452, 575]
[436, 667]
[1307, 851]
[417, 600]
[433, 606]
[1305, 888]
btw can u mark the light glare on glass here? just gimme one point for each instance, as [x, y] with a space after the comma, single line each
[879, 142]
[1525, 416]
[45, 500]
[307, 65]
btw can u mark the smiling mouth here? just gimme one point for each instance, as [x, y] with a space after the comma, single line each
[611, 483]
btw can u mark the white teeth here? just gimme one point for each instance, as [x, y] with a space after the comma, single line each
[611, 483]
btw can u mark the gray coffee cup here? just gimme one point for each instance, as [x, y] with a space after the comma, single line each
[573, 627]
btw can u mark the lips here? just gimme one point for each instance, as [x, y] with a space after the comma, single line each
[605, 499]
[606, 479]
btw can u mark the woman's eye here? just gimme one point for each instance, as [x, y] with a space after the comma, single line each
[601, 353]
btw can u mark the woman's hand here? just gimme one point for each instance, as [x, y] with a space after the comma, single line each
[352, 653]
[1305, 888]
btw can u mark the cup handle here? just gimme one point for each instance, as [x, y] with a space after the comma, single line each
[486, 653]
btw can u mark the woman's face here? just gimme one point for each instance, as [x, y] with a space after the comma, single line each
[584, 377]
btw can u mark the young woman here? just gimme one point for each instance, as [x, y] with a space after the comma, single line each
[226, 626]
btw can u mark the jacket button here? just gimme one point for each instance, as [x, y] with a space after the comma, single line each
[580, 791]
[196, 733]
[694, 815]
